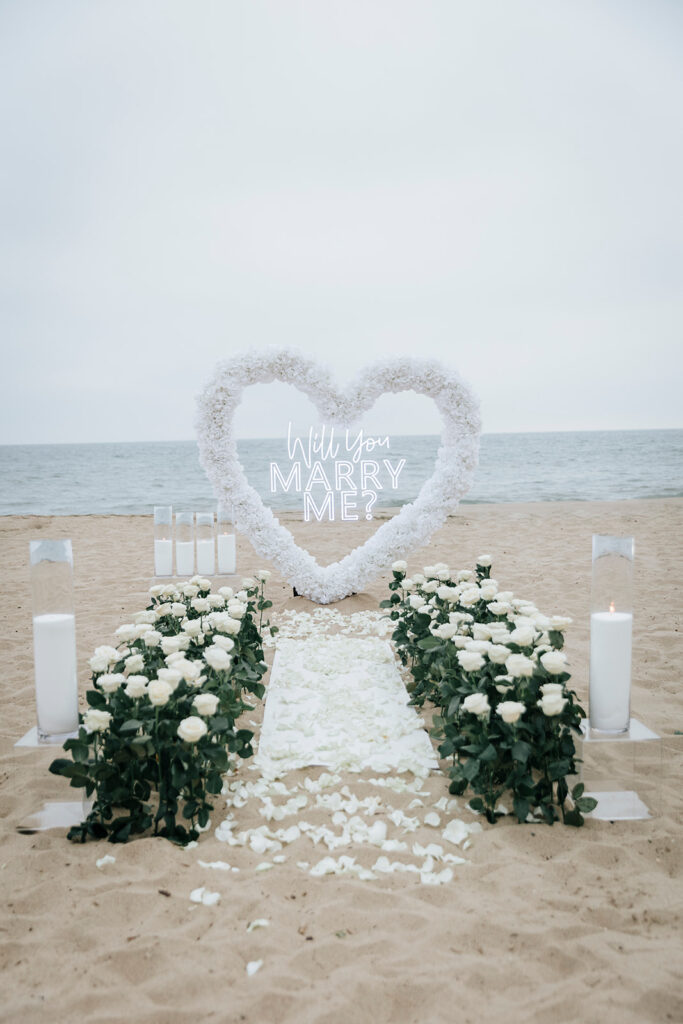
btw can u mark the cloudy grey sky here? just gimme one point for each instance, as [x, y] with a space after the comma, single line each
[495, 183]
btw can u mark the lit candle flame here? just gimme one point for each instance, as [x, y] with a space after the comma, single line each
[611, 607]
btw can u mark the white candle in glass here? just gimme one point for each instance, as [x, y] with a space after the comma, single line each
[226, 554]
[54, 647]
[184, 557]
[206, 557]
[163, 557]
[610, 670]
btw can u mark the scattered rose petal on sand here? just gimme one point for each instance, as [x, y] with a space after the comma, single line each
[205, 896]
[103, 861]
[260, 922]
[253, 966]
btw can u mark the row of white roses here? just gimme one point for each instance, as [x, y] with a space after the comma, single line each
[217, 656]
[520, 625]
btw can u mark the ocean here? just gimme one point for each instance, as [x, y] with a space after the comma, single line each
[130, 478]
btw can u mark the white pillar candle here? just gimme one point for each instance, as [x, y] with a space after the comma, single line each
[226, 553]
[184, 557]
[206, 557]
[163, 557]
[54, 650]
[610, 671]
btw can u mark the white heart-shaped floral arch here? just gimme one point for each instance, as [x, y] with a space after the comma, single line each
[455, 464]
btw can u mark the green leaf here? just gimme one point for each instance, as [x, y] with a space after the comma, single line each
[476, 803]
[488, 754]
[573, 818]
[586, 804]
[520, 751]
[578, 790]
[132, 725]
[471, 769]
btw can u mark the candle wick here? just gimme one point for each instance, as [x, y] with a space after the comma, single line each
[611, 607]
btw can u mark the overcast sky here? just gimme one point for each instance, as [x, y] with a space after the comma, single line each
[494, 184]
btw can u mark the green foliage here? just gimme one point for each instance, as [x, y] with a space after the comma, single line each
[452, 632]
[146, 770]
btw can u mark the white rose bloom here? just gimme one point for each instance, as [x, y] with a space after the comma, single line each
[217, 659]
[541, 622]
[162, 610]
[151, 638]
[147, 616]
[223, 641]
[470, 661]
[104, 658]
[552, 689]
[430, 587]
[460, 641]
[226, 592]
[169, 676]
[477, 704]
[126, 633]
[170, 644]
[450, 594]
[503, 683]
[216, 601]
[551, 704]
[159, 692]
[443, 574]
[554, 662]
[445, 631]
[484, 561]
[184, 641]
[111, 682]
[480, 631]
[192, 729]
[499, 607]
[190, 671]
[523, 636]
[505, 595]
[416, 600]
[236, 609]
[418, 579]
[192, 627]
[518, 665]
[408, 584]
[170, 591]
[510, 711]
[136, 686]
[480, 646]
[400, 566]
[459, 617]
[190, 590]
[558, 623]
[96, 721]
[489, 590]
[200, 604]
[429, 571]
[134, 663]
[205, 704]
[464, 575]
[173, 657]
[263, 575]
[178, 610]
[469, 597]
[202, 582]
[156, 590]
[230, 626]
[498, 654]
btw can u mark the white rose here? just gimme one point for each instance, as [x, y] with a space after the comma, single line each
[192, 627]
[484, 561]
[477, 704]
[170, 645]
[192, 729]
[400, 566]
[173, 657]
[96, 721]
[518, 665]
[416, 600]
[263, 575]
[248, 583]
[178, 610]
[445, 631]
[104, 658]
[229, 626]
[480, 631]
[226, 592]
[205, 704]
[136, 686]
[480, 646]
[151, 638]
[159, 692]
[558, 623]
[469, 597]
[156, 590]
[135, 663]
[489, 590]
[523, 636]
[190, 671]
[418, 579]
[110, 683]
[217, 659]
[243, 596]
[510, 711]
[554, 662]
[464, 575]
[498, 654]
[202, 582]
[223, 641]
[408, 584]
[236, 609]
[184, 641]
[430, 587]
[503, 683]
[170, 591]
[200, 604]
[216, 601]
[190, 590]
[126, 632]
[551, 704]
[443, 574]
[470, 661]
[169, 676]
[552, 689]
[429, 571]
[147, 616]
[162, 610]
[499, 607]
[460, 641]
[449, 594]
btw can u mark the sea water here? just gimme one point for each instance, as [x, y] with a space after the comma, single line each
[129, 478]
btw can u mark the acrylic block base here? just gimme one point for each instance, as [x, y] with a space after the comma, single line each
[35, 756]
[623, 772]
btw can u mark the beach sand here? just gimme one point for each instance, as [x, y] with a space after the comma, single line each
[542, 925]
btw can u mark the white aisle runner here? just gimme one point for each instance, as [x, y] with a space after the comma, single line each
[340, 703]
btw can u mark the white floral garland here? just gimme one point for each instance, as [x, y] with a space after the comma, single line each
[456, 460]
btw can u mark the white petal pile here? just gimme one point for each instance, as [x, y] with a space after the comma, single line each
[340, 703]
[203, 895]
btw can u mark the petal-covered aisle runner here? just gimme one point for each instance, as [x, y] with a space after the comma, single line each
[340, 703]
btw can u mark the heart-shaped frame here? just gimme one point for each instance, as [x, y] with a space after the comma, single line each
[454, 469]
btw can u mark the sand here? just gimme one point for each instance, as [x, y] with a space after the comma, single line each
[542, 925]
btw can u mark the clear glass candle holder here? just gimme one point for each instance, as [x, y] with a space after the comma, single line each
[206, 544]
[163, 540]
[611, 634]
[54, 639]
[227, 552]
[184, 543]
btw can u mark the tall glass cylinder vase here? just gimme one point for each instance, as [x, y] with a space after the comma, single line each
[206, 544]
[611, 634]
[184, 543]
[163, 540]
[54, 639]
[227, 559]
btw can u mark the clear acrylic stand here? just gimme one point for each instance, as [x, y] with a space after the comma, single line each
[622, 771]
[53, 813]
